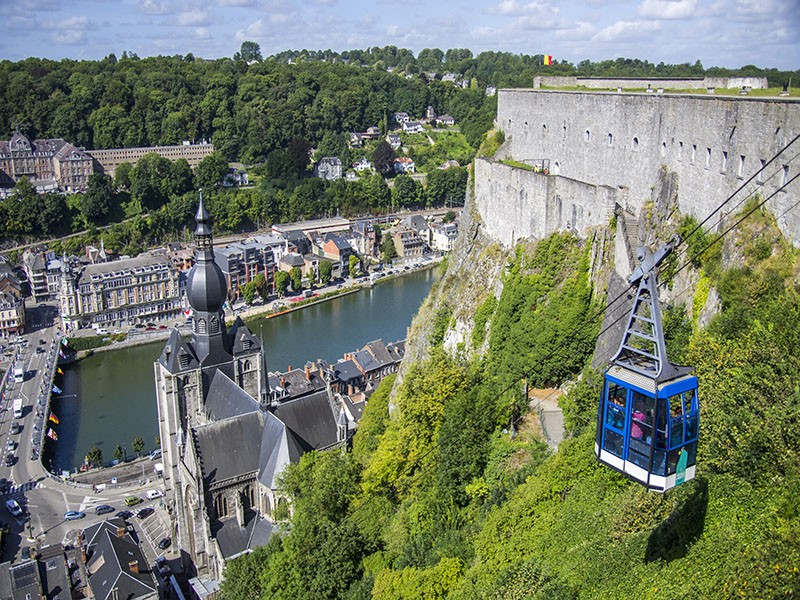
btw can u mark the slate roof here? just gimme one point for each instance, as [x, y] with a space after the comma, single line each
[244, 341]
[295, 383]
[356, 408]
[293, 259]
[110, 575]
[278, 449]
[416, 222]
[311, 419]
[19, 581]
[397, 350]
[346, 371]
[379, 352]
[233, 540]
[366, 361]
[174, 349]
[225, 399]
[226, 448]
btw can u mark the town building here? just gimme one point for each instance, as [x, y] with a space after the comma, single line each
[242, 261]
[51, 165]
[401, 117]
[328, 168]
[394, 141]
[407, 243]
[404, 164]
[443, 236]
[12, 313]
[412, 127]
[115, 563]
[227, 428]
[120, 293]
[108, 160]
[445, 120]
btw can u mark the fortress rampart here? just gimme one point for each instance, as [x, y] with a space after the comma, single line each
[628, 83]
[608, 148]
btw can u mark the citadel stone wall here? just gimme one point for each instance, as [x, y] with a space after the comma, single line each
[609, 147]
[627, 83]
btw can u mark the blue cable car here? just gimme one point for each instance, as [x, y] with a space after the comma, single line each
[649, 418]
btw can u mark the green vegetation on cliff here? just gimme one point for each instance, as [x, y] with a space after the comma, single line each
[453, 494]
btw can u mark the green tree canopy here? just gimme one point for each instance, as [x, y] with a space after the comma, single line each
[98, 200]
[325, 271]
[211, 171]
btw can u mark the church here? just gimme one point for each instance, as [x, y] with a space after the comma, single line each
[227, 428]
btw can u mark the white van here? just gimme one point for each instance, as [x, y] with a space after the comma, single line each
[153, 494]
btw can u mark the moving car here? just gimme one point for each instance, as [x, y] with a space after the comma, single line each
[153, 494]
[103, 509]
[73, 515]
[132, 501]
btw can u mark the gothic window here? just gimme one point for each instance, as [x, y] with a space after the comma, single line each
[247, 365]
[221, 506]
[214, 325]
[249, 497]
[201, 326]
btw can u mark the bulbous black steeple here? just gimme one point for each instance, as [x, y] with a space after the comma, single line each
[206, 291]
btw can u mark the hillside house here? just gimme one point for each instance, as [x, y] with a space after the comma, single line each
[403, 164]
[445, 121]
[394, 141]
[401, 117]
[412, 127]
[328, 168]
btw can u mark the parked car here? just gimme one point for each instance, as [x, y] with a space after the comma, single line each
[153, 494]
[73, 515]
[132, 500]
[15, 427]
[13, 507]
[11, 445]
[124, 514]
[155, 454]
[102, 509]
[145, 512]
[165, 543]
[9, 460]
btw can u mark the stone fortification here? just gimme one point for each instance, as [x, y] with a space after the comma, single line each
[608, 148]
[639, 83]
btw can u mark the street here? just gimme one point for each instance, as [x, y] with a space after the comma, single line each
[45, 499]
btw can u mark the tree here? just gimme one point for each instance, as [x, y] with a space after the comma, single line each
[149, 180]
[181, 178]
[97, 201]
[94, 457]
[449, 216]
[122, 176]
[118, 453]
[53, 216]
[406, 192]
[383, 158]
[388, 251]
[297, 279]
[354, 262]
[138, 444]
[298, 152]
[211, 171]
[281, 283]
[250, 52]
[248, 291]
[325, 271]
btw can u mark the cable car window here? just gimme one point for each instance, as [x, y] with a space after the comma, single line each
[677, 421]
[661, 427]
[642, 417]
[615, 411]
[613, 443]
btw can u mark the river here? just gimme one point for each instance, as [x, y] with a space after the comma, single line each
[108, 398]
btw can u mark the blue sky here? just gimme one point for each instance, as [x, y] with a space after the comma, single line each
[727, 33]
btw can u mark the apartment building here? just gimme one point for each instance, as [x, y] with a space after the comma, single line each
[51, 165]
[111, 158]
[121, 293]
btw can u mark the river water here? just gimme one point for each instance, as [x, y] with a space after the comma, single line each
[109, 398]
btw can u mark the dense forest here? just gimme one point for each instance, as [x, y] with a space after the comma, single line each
[453, 494]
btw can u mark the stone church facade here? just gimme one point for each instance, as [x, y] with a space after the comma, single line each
[225, 434]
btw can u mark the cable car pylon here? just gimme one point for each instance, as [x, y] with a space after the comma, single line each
[648, 418]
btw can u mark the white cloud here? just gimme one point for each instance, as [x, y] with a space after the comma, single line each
[153, 7]
[202, 33]
[514, 8]
[580, 31]
[194, 17]
[668, 9]
[236, 2]
[625, 31]
[324, 2]
[68, 37]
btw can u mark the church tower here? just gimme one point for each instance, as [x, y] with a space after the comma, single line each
[207, 291]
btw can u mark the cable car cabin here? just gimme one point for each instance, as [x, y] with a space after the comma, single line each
[648, 430]
[648, 418]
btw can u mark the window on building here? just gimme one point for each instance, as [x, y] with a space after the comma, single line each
[610, 140]
[635, 143]
[221, 506]
[785, 175]
[708, 157]
[762, 164]
[724, 162]
[663, 148]
[680, 150]
[587, 135]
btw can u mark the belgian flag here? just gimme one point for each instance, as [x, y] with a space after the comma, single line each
[547, 59]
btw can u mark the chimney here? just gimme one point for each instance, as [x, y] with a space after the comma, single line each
[308, 373]
[350, 389]
[283, 382]
[121, 531]
[133, 566]
[288, 368]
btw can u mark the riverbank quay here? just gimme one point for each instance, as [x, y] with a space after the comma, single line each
[270, 309]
